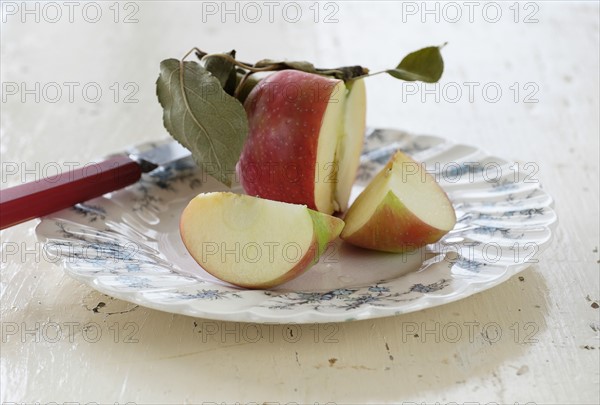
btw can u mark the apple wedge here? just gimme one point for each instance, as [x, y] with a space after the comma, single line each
[304, 141]
[252, 242]
[403, 208]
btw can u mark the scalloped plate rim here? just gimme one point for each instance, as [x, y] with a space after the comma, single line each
[256, 313]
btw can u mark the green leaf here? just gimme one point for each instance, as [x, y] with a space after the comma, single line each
[202, 117]
[246, 88]
[223, 69]
[284, 64]
[231, 83]
[300, 65]
[425, 65]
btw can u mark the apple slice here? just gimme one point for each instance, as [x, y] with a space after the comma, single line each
[403, 208]
[351, 143]
[254, 243]
[304, 141]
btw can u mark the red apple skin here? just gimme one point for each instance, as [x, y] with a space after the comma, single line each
[285, 112]
[393, 228]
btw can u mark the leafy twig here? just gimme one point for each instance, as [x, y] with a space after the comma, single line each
[202, 103]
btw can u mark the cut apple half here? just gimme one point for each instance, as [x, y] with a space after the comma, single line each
[304, 141]
[252, 242]
[402, 209]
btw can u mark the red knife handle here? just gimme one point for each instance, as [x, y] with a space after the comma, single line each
[45, 196]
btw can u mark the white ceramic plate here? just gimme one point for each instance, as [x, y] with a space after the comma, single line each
[126, 244]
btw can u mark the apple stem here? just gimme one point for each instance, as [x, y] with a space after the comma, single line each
[240, 86]
[346, 73]
[236, 62]
[364, 76]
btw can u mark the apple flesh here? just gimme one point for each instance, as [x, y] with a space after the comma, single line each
[252, 242]
[402, 209]
[351, 143]
[304, 141]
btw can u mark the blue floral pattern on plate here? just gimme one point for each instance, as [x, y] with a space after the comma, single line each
[126, 244]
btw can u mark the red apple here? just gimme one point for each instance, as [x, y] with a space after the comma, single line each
[252, 242]
[305, 138]
[403, 208]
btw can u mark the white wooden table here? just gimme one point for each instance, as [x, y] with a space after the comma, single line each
[548, 316]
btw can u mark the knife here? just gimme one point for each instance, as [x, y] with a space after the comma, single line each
[45, 196]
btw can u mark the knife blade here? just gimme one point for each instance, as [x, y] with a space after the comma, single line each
[45, 196]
